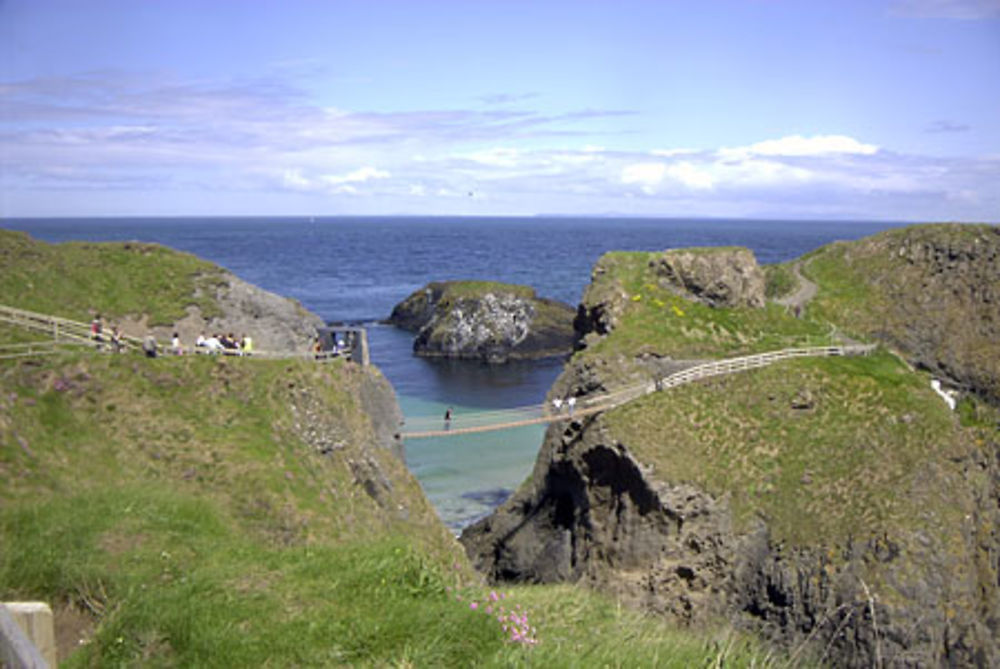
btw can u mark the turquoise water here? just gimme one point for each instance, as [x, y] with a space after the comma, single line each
[466, 476]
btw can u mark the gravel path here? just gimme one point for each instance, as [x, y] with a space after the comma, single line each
[802, 295]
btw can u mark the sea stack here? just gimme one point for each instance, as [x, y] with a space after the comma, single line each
[485, 320]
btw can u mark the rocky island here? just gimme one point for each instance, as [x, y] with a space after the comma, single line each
[482, 320]
[836, 506]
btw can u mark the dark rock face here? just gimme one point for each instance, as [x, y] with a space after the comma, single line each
[490, 322]
[592, 514]
[378, 401]
[727, 277]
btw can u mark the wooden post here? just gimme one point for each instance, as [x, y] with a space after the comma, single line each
[27, 638]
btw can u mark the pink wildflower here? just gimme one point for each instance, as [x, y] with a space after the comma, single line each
[473, 605]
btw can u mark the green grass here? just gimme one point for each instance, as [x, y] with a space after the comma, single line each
[656, 320]
[846, 462]
[175, 584]
[779, 281]
[116, 279]
[179, 503]
[462, 289]
[925, 290]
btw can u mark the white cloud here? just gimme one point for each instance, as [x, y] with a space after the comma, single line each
[496, 157]
[359, 175]
[690, 175]
[670, 153]
[293, 179]
[797, 145]
[646, 175]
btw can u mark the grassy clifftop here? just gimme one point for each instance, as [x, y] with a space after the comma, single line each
[863, 427]
[76, 279]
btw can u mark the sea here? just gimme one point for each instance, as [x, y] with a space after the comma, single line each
[355, 269]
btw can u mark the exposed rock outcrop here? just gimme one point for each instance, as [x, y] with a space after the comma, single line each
[723, 277]
[276, 323]
[485, 321]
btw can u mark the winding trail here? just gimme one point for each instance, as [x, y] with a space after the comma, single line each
[803, 294]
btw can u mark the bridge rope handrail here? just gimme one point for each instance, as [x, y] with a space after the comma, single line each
[500, 419]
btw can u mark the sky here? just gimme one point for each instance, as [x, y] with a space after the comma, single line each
[795, 109]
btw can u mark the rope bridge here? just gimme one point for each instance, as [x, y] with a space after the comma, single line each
[503, 419]
[67, 333]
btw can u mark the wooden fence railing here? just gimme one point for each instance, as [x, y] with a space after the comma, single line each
[64, 331]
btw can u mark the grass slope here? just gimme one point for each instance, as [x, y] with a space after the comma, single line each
[77, 279]
[180, 511]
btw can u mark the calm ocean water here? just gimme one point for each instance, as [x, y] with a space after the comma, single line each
[357, 269]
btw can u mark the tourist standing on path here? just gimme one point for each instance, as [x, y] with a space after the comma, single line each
[116, 339]
[175, 345]
[557, 405]
[571, 402]
[149, 345]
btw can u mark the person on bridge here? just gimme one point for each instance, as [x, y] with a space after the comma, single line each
[447, 419]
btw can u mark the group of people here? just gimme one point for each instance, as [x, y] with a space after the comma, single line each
[227, 344]
[114, 339]
[557, 405]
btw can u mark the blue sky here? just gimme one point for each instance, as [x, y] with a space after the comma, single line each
[746, 108]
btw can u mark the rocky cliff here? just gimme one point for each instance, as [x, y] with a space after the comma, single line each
[723, 277]
[932, 292]
[485, 321]
[835, 506]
